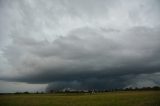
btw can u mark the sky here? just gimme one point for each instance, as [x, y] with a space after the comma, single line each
[79, 44]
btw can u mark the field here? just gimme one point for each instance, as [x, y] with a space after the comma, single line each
[127, 98]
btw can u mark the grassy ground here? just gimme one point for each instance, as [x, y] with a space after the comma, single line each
[132, 98]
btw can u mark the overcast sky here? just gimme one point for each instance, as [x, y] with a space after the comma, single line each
[79, 44]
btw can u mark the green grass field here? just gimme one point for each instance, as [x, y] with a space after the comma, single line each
[132, 98]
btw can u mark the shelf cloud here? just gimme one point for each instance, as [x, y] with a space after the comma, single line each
[80, 44]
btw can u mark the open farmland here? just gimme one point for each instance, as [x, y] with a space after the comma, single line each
[127, 98]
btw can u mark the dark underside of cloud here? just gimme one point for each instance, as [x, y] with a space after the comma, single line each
[86, 59]
[78, 46]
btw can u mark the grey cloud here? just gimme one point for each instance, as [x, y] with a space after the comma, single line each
[86, 54]
[80, 45]
[144, 80]
[86, 84]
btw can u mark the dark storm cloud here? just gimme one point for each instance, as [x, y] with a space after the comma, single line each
[84, 55]
[75, 45]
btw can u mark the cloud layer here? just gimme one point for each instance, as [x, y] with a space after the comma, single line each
[80, 45]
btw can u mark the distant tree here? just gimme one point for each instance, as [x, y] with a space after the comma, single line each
[26, 92]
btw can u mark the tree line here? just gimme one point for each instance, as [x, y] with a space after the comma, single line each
[154, 88]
